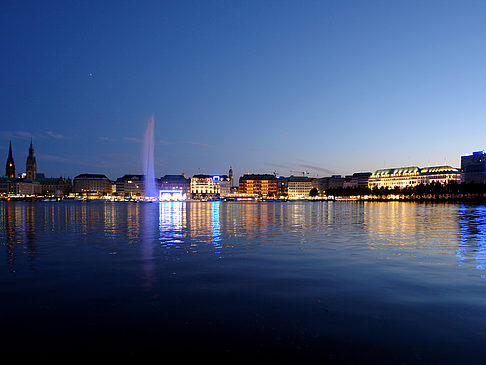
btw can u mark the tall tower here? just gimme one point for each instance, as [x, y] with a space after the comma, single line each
[231, 176]
[10, 168]
[31, 165]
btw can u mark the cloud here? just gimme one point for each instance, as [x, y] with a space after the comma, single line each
[107, 139]
[316, 168]
[54, 158]
[55, 135]
[131, 139]
[200, 145]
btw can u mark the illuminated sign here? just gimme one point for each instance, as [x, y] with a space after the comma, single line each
[216, 178]
[171, 195]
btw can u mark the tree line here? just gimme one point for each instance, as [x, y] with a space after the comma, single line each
[434, 190]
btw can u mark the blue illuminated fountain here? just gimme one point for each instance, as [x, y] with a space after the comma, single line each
[148, 161]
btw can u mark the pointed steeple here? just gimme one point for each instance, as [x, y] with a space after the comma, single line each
[10, 167]
[31, 165]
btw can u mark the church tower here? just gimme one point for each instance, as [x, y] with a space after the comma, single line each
[10, 168]
[31, 165]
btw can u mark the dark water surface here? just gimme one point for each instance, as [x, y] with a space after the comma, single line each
[295, 282]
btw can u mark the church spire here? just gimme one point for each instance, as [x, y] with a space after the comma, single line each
[31, 165]
[10, 167]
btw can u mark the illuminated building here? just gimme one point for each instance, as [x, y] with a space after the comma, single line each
[10, 167]
[474, 167]
[224, 186]
[92, 183]
[177, 183]
[130, 186]
[412, 176]
[261, 184]
[31, 165]
[209, 186]
[299, 187]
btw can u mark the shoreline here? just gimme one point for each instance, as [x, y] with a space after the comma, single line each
[480, 199]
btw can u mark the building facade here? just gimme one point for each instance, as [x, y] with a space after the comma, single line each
[93, 183]
[412, 176]
[175, 183]
[55, 186]
[130, 186]
[357, 180]
[205, 186]
[263, 185]
[299, 187]
[473, 167]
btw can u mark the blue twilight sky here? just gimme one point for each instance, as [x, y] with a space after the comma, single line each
[328, 87]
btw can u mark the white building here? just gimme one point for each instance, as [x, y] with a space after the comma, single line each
[412, 176]
[299, 187]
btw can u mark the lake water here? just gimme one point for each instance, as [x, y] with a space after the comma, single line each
[283, 282]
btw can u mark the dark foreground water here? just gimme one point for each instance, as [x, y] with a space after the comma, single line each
[300, 282]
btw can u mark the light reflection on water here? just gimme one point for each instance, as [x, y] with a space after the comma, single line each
[394, 228]
[327, 269]
[472, 244]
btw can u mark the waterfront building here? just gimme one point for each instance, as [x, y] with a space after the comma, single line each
[299, 187]
[322, 184]
[224, 186]
[205, 186]
[130, 186]
[440, 174]
[357, 180]
[282, 186]
[10, 166]
[263, 185]
[25, 187]
[473, 167]
[31, 165]
[93, 183]
[176, 183]
[412, 176]
[6, 186]
[54, 186]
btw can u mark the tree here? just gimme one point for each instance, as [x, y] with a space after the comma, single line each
[313, 193]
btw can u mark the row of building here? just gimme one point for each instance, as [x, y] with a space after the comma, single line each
[201, 186]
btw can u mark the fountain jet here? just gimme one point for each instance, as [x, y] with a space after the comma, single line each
[148, 160]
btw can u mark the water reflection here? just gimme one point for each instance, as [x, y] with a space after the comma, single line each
[472, 244]
[171, 218]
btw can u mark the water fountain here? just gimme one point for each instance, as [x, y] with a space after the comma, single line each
[148, 161]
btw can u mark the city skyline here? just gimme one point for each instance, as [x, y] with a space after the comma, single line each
[328, 88]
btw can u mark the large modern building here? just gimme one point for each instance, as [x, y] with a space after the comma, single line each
[263, 185]
[93, 184]
[412, 176]
[474, 167]
[299, 187]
